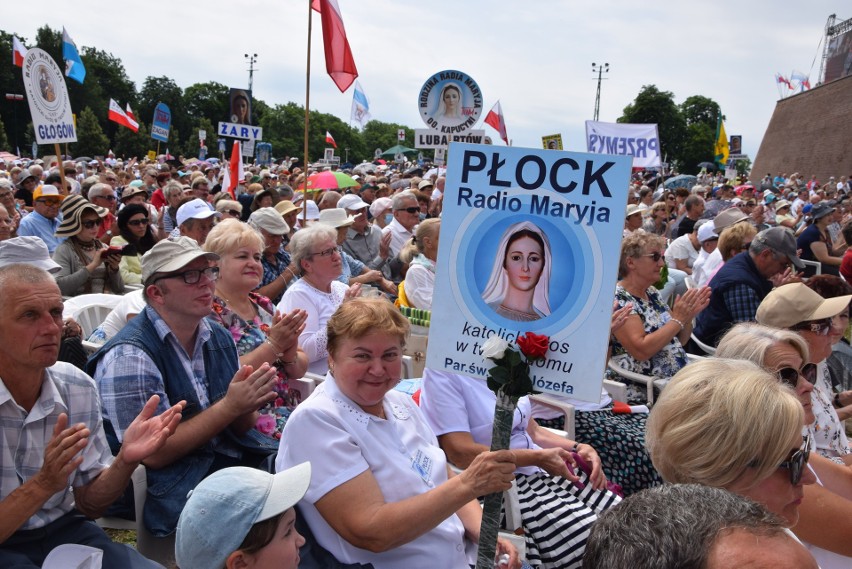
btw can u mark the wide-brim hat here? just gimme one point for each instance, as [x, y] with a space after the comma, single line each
[72, 212]
[286, 206]
[822, 209]
[336, 217]
[795, 303]
[270, 220]
[131, 191]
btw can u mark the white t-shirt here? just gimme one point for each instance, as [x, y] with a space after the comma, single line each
[704, 271]
[319, 306]
[681, 248]
[399, 235]
[402, 454]
[131, 303]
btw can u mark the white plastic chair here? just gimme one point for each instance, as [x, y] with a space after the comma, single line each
[709, 350]
[816, 264]
[159, 549]
[616, 390]
[90, 310]
[648, 381]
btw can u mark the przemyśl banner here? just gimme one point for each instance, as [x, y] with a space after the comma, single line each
[641, 141]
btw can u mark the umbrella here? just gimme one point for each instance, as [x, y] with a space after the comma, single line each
[708, 165]
[682, 181]
[82, 159]
[330, 181]
[365, 168]
[394, 150]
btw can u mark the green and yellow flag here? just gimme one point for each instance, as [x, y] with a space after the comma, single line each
[721, 150]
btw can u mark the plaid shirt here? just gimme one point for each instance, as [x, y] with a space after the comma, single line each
[742, 303]
[64, 389]
[273, 271]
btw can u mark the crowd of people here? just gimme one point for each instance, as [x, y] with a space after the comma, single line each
[251, 362]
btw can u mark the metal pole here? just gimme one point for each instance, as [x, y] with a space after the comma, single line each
[600, 69]
[14, 97]
[252, 59]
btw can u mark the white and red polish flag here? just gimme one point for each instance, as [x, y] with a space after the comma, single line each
[116, 114]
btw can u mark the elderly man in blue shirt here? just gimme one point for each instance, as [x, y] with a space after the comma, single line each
[44, 219]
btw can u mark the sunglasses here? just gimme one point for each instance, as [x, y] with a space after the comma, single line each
[92, 223]
[797, 461]
[109, 198]
[192, 276]
[655, 256]
[138, 222]
[412, 209]
[326, 253]
[790, 375]
[234, 213]
[820, 327]
[50, 203]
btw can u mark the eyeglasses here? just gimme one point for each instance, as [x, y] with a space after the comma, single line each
[790, 375]
[412, 209]
[325, 253]
[233, 212]
[820, 327]
[92, 223]
[797, 461]
[670, 198]
[138, 222]
[655, 256]
[5, 195]
[192, 276]
[111, 179]
[49, 202]
[110, 197]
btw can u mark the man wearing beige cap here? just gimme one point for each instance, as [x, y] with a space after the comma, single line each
[744, 281]
[172, 350]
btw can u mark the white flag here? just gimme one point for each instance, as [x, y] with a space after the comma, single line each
[360, 106]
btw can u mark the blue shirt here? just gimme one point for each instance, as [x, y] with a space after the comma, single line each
[37, 225]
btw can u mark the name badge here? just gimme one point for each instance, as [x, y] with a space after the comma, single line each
[422, 464]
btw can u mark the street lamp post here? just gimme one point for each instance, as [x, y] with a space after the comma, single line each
[252, 59]
[14, 97]
[601, 69]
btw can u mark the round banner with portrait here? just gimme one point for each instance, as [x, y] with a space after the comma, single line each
[450, 102]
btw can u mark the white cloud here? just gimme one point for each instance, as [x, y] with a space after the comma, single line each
[534, 56]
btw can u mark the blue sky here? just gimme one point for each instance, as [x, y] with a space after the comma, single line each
[535, 57]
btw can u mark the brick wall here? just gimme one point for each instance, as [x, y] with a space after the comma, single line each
[809, 133]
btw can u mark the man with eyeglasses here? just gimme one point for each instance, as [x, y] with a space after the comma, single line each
[43, 221]
[406, 216]
[743, 282]
[172, 350]
[103, 195]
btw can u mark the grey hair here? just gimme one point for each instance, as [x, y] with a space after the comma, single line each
[750, 341]
[304, 239]
[22, 273]
[7, 184]
[172, 186]
[98, 189]
[400, 198]
[673, 526]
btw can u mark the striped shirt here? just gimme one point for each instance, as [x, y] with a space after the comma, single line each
[64, 389]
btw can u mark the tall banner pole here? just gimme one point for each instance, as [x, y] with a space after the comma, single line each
[61, 168]
[307, 116]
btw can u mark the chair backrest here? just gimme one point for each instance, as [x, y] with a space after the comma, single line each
[90, 317]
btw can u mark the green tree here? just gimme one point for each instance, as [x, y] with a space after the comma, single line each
[91, 140]
[698, 109]
[14, 114]
[654, 106]
[129, 144]
[164, 90]
[700, 114]
[378, 134]
[207, 100]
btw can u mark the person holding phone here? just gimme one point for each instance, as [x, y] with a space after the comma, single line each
[87, 265]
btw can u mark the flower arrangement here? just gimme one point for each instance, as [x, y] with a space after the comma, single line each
[509, 378]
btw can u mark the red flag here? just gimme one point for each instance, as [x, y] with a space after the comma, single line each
[19, 52]
[330, 139]
[339, 62]
[494, 118]
[119, 116]
[235, 169]
[129, 112]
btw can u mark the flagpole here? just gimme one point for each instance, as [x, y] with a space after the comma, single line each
[61, 167]
[307, 115]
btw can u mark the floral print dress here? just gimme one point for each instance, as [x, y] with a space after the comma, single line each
[654, 314]
[248, 336]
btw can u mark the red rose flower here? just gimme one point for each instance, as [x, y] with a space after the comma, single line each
[533, 346]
